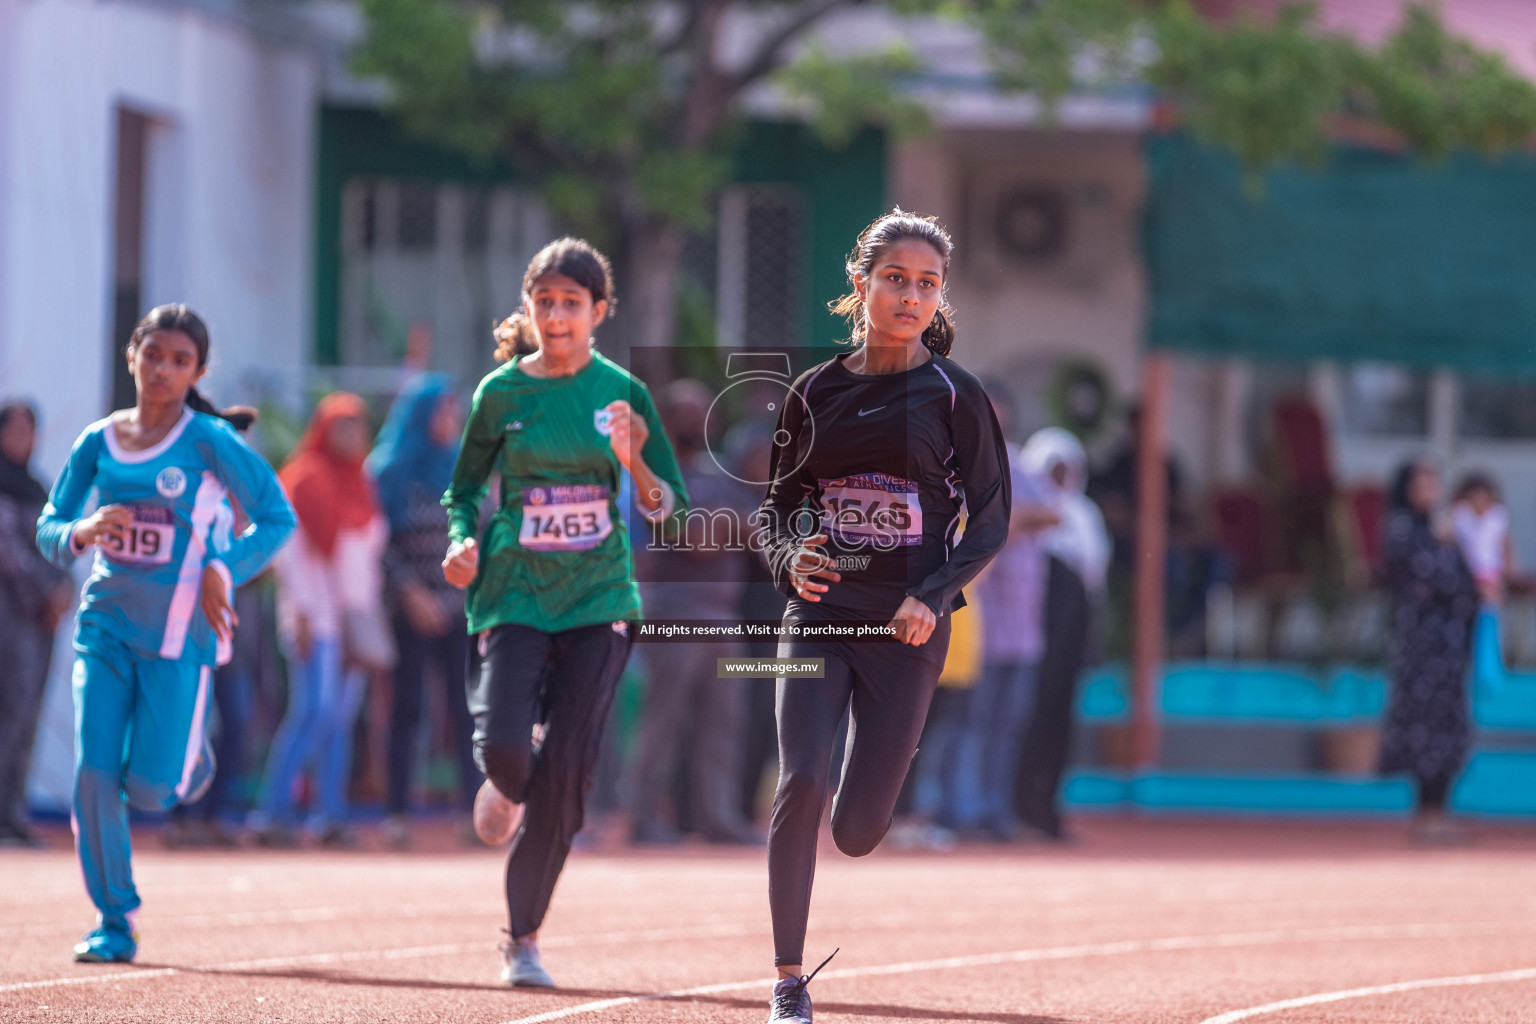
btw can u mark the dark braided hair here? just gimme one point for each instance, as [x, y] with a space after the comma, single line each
[575, 258]
[939, 336]
[176, 316]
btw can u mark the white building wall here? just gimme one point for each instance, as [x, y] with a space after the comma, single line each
[228, 210]
[1014, 321]
[1090, 302]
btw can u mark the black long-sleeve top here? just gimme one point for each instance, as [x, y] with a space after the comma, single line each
[882, 463]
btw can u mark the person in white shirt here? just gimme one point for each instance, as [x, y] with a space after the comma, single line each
[1480, 521]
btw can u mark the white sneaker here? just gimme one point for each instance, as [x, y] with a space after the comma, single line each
[496, 817]
[520, 965]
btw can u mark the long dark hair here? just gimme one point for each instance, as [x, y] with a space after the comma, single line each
[575, 258]
[177, 316]
[939, 336]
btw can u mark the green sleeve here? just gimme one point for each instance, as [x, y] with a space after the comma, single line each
[657, 452]
[472, 469]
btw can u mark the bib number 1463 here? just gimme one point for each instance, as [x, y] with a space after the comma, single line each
[564, 518]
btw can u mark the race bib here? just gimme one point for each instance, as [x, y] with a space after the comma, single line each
[871, 508]
[571, 517]
[148, 539]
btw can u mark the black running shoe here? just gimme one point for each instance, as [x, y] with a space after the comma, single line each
[792, 998]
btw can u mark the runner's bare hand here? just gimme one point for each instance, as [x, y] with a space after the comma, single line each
[627, 433]
[914, 622]
[461, 563]
[109, 521]
[809, 563]
[218, 604]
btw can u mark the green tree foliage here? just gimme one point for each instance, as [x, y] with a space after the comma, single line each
[1269, 90]
[846, 95]
[621, 112]
[1443, 93]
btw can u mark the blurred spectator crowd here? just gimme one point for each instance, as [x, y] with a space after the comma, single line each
[347, 683]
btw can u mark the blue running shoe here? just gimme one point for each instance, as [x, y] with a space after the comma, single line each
[113, 941]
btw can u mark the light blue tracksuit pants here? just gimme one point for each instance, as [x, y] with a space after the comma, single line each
[139, 731]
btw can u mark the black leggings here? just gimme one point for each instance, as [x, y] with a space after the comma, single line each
[889, 686]
[520, 676]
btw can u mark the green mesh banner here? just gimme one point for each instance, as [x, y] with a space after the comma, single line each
[1373, 257]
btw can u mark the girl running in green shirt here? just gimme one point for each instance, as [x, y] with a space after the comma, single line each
[552, 592]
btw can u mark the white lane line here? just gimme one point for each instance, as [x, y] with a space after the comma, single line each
[1524, 974]
[1100, 949]
[298, 915]
[307, 960]
[407, 953]
[92, 979]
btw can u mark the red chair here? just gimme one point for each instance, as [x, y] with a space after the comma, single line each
[1304, 484]
[1301, 442]
[1359, 515]
[1242, 524]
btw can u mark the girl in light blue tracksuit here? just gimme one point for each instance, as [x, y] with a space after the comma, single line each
[157, 606]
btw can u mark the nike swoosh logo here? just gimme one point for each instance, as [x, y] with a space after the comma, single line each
[866, 412]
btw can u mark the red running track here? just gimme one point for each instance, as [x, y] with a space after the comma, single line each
[1143, 921]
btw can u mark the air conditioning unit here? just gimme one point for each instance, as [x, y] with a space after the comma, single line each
[1037, 226]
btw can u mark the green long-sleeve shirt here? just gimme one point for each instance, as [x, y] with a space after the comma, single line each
[555, 554]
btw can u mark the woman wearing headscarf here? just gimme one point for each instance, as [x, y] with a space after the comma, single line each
[979, 769]
[1434, 608]
[328, 587]
[33, 597]
[1077, 553]
[412, 465]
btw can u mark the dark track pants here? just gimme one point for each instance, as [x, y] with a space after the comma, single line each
[886, 687]
[417, 653]
[1048, 737]
[519, 677]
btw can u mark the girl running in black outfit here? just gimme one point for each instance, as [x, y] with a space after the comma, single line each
[876, 451]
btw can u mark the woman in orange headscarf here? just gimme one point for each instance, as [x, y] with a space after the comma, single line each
[328, 580]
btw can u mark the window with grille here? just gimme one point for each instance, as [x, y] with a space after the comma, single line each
[443, 256]
[1497, 408]
[760, 289]
[1384, 400]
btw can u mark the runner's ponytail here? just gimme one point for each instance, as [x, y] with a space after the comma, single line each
[515, 337]
[239, 416]
[940, 335]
